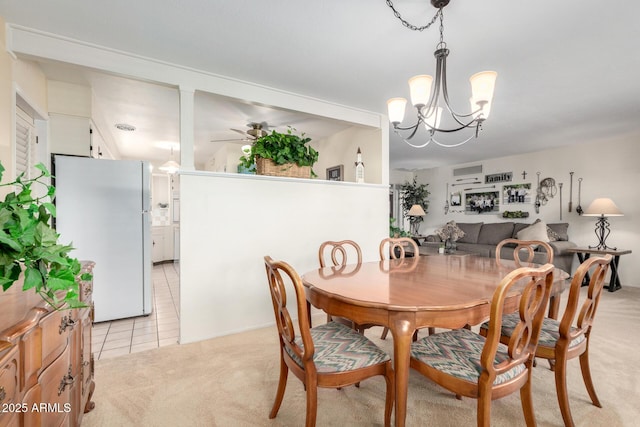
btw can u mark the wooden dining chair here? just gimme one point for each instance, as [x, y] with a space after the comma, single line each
[397, 247]
[336, 254]
[329, 355]
[568, 338]
[469, 364]
[526, 248]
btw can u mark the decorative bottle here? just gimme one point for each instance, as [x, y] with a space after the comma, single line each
[359, 168]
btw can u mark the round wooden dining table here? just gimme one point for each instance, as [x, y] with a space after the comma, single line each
[412, 293]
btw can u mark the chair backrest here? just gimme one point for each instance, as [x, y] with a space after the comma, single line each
[528, 247]
[533, 302]
[397, 247]
[598, 266]
[281, 275]
[338, 251]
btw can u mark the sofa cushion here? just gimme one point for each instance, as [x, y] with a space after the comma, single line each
[561, 229]
[492, 234]
[536, 231]
[471, 231]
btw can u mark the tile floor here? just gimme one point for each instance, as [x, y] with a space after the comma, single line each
[158, 329]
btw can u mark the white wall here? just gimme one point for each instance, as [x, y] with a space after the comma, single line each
[342, 148]
[229, 222]
[608, 168]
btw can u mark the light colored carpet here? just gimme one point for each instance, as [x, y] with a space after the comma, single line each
[231, 381]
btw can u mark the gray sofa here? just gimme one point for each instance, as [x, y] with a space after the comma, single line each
[482, 239]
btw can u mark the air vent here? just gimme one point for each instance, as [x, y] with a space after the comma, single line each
[470, 170]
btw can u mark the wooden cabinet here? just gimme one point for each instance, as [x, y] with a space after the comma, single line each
[46, 368]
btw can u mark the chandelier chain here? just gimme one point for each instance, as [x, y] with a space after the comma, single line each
[414, 27]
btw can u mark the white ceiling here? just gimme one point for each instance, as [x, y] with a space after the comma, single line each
[567, 71]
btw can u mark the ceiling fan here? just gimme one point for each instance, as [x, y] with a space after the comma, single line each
[255, 131]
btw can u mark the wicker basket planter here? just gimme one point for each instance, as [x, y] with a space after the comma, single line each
[289, 170]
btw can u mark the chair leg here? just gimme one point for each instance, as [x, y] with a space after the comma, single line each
[527, 403]
[586, 377]
[282, 385]
[484, 408]
[390, 396]
[561, 390]
[385, 331]
[312, 403]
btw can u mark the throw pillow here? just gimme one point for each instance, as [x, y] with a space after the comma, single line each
[561, 229]
[450, 231]
[536, 231]
[553, 235]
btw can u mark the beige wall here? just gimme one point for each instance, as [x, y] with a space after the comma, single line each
[341, 149]
[6, 107]
[609, 168]
[27, 80]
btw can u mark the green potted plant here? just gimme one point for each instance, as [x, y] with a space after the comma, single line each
[412, 193]
[29, 248]
[283, 154]
[395, 231]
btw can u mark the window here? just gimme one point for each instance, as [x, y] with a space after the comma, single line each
[25, 143]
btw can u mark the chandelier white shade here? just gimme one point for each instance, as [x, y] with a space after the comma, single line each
[430, 97]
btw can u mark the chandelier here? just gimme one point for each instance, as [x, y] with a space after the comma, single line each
[431, 98]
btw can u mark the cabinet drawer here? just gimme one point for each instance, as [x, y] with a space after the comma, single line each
[9, 386]
[56, 330]
[56, 383]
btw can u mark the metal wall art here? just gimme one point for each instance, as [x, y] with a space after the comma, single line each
[498, 177]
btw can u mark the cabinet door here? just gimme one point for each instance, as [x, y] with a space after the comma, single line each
[9, 387]
[157, 251]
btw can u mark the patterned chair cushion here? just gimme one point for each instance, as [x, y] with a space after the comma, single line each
[339, 348]
[548, 334]
[457, 353]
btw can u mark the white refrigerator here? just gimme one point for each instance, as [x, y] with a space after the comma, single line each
[103, 210]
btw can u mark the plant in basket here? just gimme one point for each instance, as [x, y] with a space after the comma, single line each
[284, 151]
[29, 247]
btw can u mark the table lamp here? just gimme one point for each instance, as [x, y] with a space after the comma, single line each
[416, 210]
[602, 208]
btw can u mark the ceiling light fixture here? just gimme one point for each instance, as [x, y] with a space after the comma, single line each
[171, 166]
[125, 127]
[426, 97]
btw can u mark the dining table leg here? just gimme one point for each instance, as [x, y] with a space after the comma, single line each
[402, 326]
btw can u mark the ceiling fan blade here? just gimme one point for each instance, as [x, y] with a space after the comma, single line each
[242, 132]
[232, 139]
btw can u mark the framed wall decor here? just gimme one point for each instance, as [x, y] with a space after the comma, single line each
[335, 173]
[455, 199]
[516, 193]
[482, 202]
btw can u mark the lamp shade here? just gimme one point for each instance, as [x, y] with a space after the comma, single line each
[416, 210]
[602, 207]
[170, 167]
[395, 108]
[483, 85]
[420, 88]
